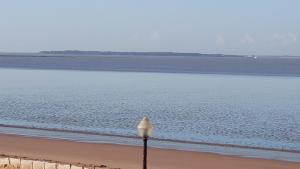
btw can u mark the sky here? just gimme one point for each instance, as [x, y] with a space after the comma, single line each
[260, 27]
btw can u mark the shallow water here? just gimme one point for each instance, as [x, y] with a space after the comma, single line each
[255, 111]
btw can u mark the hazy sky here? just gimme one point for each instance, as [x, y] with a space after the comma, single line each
[211, 26]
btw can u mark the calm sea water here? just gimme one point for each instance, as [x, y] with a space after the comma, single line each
[258, 111]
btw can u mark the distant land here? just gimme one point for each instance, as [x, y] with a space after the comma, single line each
[163, 62]
[78, 52]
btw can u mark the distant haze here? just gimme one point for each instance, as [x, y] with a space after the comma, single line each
[260, 27]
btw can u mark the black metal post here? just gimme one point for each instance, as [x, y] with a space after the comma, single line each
[145, 152]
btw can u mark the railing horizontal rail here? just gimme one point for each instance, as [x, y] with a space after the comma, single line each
[21, 162]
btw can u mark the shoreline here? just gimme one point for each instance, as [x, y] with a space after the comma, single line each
[154, 139]
[124, 156]
[84, 137]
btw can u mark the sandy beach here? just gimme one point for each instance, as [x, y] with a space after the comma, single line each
[128, 157]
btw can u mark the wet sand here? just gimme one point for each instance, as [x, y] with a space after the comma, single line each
[128, 157]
